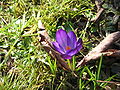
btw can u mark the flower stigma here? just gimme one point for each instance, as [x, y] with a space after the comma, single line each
[68, 47]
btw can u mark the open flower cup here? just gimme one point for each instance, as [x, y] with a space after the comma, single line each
[67, 44]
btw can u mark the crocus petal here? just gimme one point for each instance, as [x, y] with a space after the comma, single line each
[72, 52]
[73, 39]
[79, 44]
[65, 56]
[77, 49]
[61, 38]
[57, 47]
[79, 41]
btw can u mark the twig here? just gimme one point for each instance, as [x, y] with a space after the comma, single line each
[111, 82]
[98, 4]
[113, 53]
[101, 49]
[98, 15]
[46, 43]
[3, 20]
[100, 10]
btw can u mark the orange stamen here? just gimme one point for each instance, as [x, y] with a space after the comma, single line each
[68, 47]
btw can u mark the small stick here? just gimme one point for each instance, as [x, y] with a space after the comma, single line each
[111, 82]
[101, 48]
[46, 43]
[100, 10]
[98, 15]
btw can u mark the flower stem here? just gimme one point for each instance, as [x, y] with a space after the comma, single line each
[69, 63]
[73, 63]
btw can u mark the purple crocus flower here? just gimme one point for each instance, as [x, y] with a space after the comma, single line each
[66, 44]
